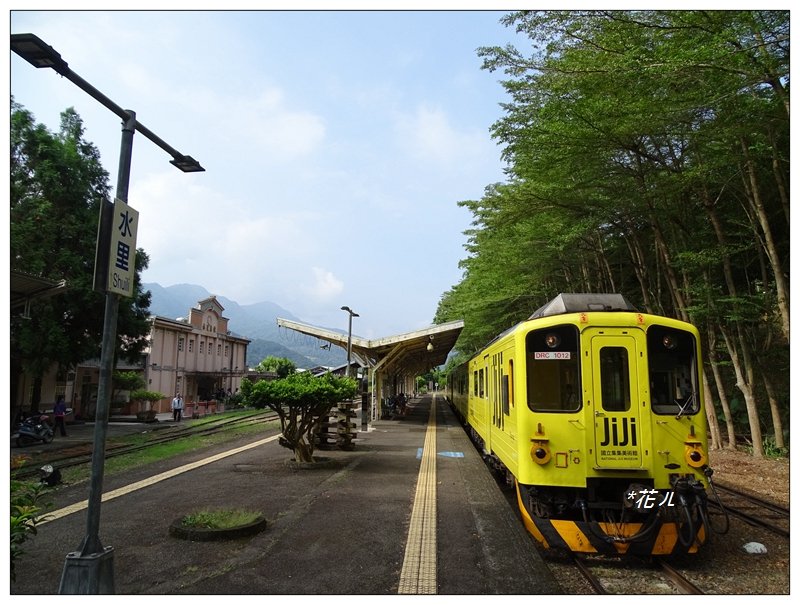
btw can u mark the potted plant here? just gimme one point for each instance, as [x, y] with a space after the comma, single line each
[124, 383]
[148, 397]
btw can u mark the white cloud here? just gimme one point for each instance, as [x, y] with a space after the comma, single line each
[326, 285]
[428, 135]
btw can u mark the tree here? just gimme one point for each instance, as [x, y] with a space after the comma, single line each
[301, 401]
[648, 154]
[282, 366]
[57, 184]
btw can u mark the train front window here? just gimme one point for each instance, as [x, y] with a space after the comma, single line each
[615, 379]
[553, 369]
[673, 371]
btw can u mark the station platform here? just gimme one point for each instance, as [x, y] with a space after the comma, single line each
[411, 510]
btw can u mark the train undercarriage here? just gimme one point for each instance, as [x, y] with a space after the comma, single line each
[611, 516]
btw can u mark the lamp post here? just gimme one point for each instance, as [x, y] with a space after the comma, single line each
[349, 336]
[90, 569]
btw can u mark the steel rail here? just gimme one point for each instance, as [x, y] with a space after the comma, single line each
[773, 506]
[683, 583]
[588, 574]
[112, 452]
[755, 521]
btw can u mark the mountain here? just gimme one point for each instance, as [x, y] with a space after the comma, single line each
[256, 322]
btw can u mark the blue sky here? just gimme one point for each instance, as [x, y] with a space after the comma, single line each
[336, 146]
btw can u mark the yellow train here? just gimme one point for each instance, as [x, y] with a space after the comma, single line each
[595, 411]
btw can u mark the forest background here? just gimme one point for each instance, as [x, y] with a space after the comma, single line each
[647, 154]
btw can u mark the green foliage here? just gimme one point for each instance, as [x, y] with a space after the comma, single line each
[57, 186]
[300, 400]
[145, 395]
[648, 154]
[127, 381]
[283, 366]
[301, 390]
[771, 450]
[26, 510]
[220, 519]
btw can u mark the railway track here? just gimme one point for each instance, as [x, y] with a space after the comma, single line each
[753, 510]
[609, 576]
[77, 456]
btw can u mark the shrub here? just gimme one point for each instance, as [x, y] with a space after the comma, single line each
[300, 400]
[25, 514]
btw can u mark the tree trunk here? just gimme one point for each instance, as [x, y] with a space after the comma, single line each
[744, 381]
[780, 180]
[638, 264]
[711, 415]
[754, 197]
[777, 423]
[672, 278]
[303, 451]
[723, 396]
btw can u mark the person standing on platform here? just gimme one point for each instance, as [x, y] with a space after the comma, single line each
[177, 407]
[59, 413]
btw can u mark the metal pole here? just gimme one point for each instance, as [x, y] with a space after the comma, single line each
[90, 569]
[349, 342]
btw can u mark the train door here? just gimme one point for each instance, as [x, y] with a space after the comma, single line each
[615, 388]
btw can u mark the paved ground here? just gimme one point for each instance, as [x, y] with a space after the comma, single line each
[332, 531]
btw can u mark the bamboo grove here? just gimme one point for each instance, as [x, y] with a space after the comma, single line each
[647, 153]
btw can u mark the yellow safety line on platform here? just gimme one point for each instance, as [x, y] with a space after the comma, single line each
[419, 565]
[79, 506]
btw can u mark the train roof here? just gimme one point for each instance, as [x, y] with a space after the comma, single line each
[582, 302]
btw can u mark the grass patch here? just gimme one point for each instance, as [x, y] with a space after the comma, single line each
[220, 519]
[162, 451]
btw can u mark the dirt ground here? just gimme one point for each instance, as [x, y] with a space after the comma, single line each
[766, 477]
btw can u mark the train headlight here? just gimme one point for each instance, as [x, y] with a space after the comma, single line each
[540, 452]
[669, 342]
[695, 456]
[552, 340]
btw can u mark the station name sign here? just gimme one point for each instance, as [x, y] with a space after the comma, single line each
[115, 262]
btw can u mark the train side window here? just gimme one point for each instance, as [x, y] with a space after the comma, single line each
[480, 383]
[504, 393]
[672, 362]
[615, 382]
[511, 382]
[553, 369]
[475, 383]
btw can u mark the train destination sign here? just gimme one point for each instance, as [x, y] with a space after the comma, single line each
[551, 355]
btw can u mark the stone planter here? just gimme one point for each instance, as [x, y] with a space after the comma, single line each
[147, 416]
[205, 534]
[320, 462]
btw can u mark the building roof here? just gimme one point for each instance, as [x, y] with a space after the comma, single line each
[406, 352]
[26, 288]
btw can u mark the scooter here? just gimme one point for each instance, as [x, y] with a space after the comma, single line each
[34, 429]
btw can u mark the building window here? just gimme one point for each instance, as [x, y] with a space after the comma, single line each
[226, 350]
[219, 350]
[180, 344]
[191, 345]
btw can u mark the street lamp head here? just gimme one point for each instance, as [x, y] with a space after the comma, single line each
[36, 52]
[187, 163]
[349, 310]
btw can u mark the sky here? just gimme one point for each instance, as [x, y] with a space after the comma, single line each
[336, 146]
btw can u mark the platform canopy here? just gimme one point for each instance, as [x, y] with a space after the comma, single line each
[26, 288]
[404, 353]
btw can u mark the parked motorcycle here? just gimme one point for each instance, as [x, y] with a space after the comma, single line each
[34, 430]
